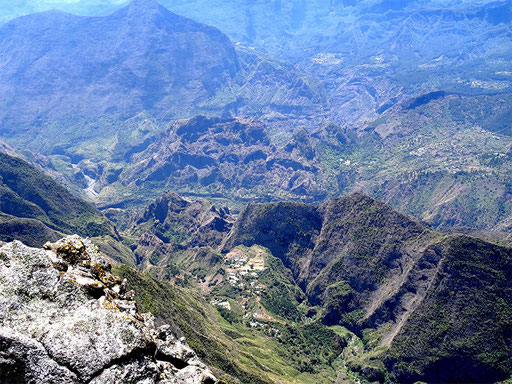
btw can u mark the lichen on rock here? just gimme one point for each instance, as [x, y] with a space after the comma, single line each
[65, 318]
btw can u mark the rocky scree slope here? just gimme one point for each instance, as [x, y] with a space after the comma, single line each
[65, 318]
[365, 266]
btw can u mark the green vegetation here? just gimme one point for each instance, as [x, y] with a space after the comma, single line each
[443, 162]
[349, 290]
[391, 281]
[34, 208]
[475, 282]
[270, 352]
[25, 192]
[29, 231]
[281, 297]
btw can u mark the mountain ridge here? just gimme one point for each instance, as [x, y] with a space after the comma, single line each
[368, 266]
[308, 112]
[28, 194]
[143, 58]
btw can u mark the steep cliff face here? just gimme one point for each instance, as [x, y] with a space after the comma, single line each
[461, 327]
[64, 318]
[173, 224]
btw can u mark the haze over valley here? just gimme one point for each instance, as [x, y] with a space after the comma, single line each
[260, 191]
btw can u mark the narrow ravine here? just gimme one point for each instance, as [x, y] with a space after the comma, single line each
[90, 187]
[91, 183]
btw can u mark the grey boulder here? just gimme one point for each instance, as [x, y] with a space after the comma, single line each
[65, 318]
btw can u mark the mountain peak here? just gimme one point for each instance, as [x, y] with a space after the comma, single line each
[143, 7]
[151, 12]
[144, 4]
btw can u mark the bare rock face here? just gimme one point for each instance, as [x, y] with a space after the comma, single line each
[65, 318]
[207, 155]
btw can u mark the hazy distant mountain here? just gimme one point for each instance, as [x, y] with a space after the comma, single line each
[370, 54]
[373, 54]
[58, 70]
[13, 9]
[142, 57]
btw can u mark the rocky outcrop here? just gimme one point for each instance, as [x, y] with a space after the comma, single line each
[65, 318]
[223, 156]
[172, 223]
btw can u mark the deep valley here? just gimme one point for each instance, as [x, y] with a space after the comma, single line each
[202, 192]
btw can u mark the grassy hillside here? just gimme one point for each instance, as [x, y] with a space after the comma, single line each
[419, 301]
[274, 352]
[35, 209]
[27, 193]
